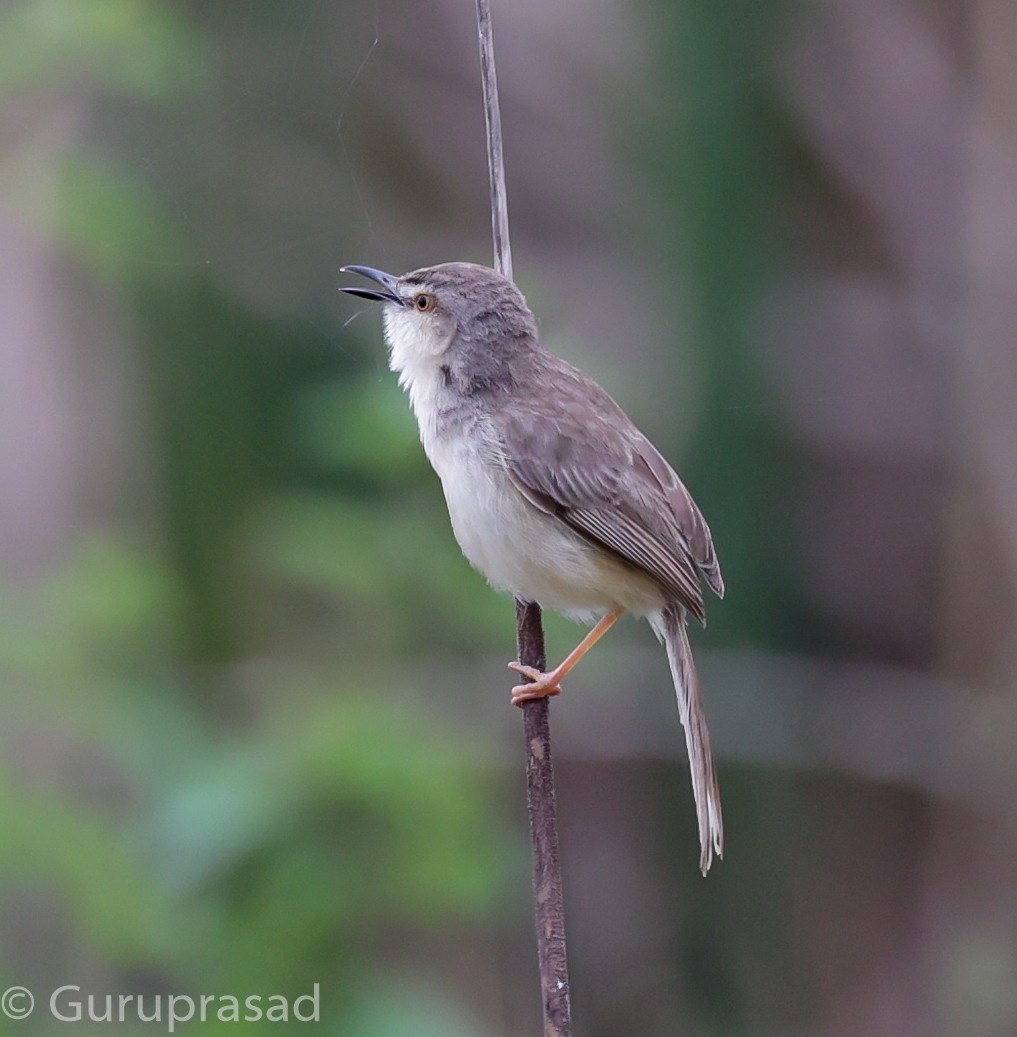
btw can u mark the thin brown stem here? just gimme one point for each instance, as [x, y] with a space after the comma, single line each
[495, 152]
[541, 804]
[540, 791]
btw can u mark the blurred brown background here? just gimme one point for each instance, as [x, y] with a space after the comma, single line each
[254, 730]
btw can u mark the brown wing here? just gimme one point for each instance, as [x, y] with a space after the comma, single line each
[575, 454]
[687, 516]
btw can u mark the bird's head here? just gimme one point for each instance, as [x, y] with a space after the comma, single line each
[437, 312]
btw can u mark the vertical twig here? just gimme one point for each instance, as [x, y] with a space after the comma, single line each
[495, 153]
[540, 793]
[549, 907]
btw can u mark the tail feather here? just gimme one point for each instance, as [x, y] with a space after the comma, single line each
[671, 628]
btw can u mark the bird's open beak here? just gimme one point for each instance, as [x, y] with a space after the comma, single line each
[379, 276]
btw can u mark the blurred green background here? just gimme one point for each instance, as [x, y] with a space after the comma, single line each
[254, 717]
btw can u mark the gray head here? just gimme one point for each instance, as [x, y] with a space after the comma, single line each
[460, 317]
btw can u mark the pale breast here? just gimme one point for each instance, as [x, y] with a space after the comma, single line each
[521, 549]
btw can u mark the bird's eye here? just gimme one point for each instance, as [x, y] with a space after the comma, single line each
[424, 302]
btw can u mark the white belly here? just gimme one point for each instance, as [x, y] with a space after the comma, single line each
[526, 552]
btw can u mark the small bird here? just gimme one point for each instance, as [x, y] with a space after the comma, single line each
[553, 493]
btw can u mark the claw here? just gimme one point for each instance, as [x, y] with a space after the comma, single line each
[540, 685]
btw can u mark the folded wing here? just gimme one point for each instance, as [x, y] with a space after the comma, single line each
[589, 466]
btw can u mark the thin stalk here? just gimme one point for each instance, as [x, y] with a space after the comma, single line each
[540, 791]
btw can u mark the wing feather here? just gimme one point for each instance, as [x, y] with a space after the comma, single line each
[583, 461]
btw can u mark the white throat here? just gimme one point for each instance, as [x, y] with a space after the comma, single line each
[415, 349]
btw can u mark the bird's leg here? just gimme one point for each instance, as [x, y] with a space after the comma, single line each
[544, 684]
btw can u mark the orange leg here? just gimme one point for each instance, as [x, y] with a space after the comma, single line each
[540, 684]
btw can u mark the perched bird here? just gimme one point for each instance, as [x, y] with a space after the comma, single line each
[553, 493]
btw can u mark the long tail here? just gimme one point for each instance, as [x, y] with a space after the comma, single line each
[670, 628]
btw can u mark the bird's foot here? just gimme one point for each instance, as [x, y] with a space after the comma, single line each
[540, 685]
